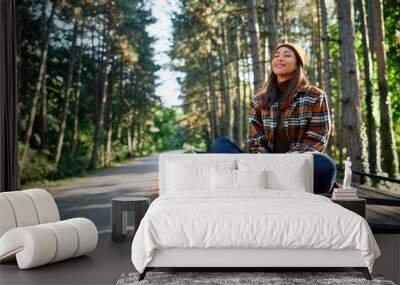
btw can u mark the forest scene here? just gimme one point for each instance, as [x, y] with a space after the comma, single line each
[88, 75]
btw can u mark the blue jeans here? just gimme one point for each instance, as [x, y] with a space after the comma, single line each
[324, 166]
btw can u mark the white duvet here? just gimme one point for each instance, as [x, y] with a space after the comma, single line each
[250, 219]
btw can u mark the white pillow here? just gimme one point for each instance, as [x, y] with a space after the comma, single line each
[293, 178]
[223, 179]
[189, 175]
[251, 178]
[228, 180]
[282, 174]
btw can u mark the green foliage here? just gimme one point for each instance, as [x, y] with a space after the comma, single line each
[38, 167]
[165, 131]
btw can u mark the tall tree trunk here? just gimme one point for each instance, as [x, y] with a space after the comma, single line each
[217, 88]
[44, 134]
[319, 50]
[32, 112]
[120, 102]
[325, 42]
[370, 23]
[238, 110]
[389, 156]
[108, 152]
[247, 83]
[99, 115]
[95, 66]
[134, 137]
[284, 29]
[223, 91]
[370, 125]
[254, 43]
[351, 111]
[263, 43]
[327, 72]
[67, 95]
[211, 124]
[211, 88]
[208, 127]
[338, 114]
[129, 135]
[244, 106]
[269, 15]
[227, 98]
[75, 126]
[139, 139]
[278, 24]
[313, 73]
[109, 118]
[142, 141]
[99, 107]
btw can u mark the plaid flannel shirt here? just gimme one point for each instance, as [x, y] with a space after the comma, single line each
[306, 121]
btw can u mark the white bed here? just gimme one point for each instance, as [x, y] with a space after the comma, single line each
[205, 226]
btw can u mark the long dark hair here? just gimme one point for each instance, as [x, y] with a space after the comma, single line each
[268, 92]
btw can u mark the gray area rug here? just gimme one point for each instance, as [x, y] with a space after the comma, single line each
[229, 278]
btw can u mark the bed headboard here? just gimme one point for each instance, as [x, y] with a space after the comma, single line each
[267, 160]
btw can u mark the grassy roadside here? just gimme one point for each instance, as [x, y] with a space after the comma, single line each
[52, 185]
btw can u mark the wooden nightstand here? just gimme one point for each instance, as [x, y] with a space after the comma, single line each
[356, 205]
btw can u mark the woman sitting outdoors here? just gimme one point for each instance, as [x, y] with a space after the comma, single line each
[288, 115]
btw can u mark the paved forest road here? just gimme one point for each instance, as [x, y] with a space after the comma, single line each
[90, 197]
